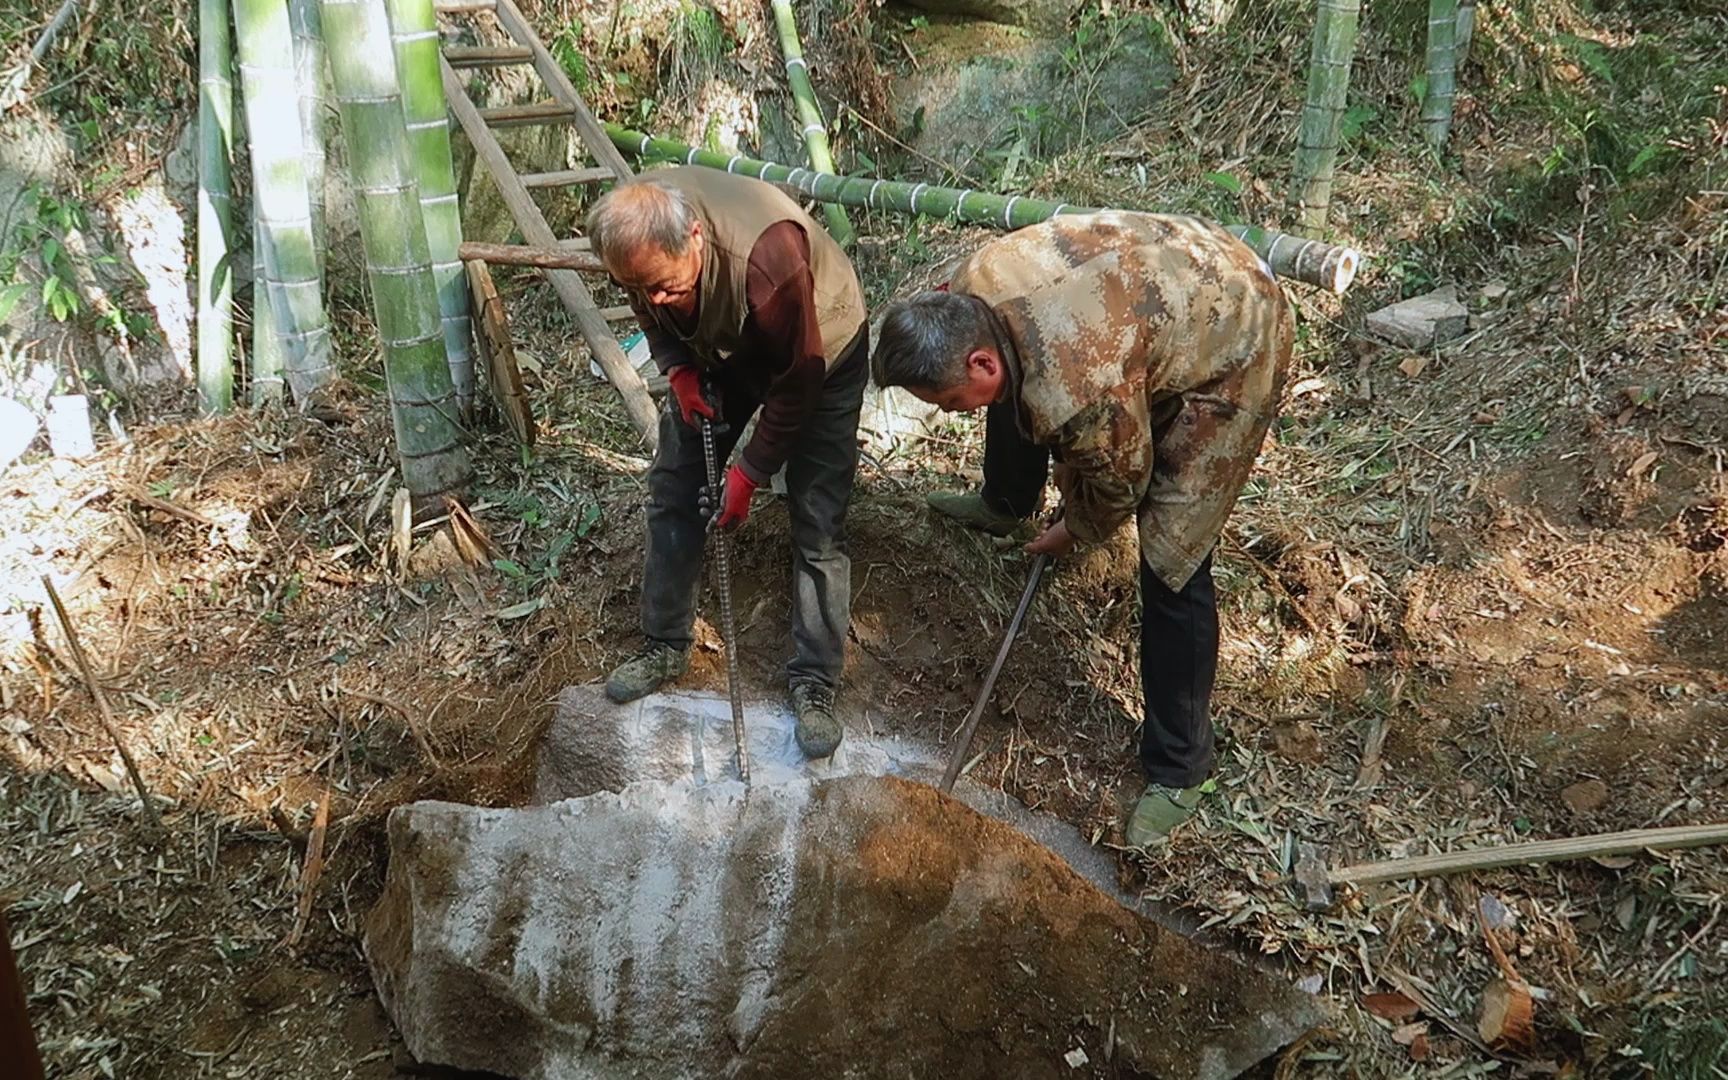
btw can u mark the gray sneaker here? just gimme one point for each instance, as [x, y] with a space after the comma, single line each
[818, 731]
[970, 510]
[653, 666]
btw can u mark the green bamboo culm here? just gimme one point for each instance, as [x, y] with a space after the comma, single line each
[267, 364]
[292, 285]
[810, 116]
[1466, 31]
[414, 31]
[215, 210]
[393, 237]
[1323, 265]
[1442, 72]
[1322, 114]
[308, 33]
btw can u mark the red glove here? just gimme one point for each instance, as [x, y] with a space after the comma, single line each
[686, 383]
[735, 498]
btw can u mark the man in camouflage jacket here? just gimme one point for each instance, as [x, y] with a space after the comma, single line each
[1146, 353]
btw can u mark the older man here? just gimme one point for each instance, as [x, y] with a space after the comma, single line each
[747, 305]
[1147, 353]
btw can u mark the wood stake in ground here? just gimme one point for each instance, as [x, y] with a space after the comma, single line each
[102, 708]
[1539, 851]
[312, 869]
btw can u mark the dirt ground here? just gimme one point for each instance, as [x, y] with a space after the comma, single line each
[1469, 600]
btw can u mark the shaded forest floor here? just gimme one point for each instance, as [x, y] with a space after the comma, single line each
[1470, 597]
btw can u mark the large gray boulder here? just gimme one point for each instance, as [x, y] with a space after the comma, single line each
[984, 88]
[859, 926]
[1042, 14]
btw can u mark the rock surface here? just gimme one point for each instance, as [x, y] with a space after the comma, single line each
[985, 88]
[1421, 322]
[1042, 14]
[864, 926]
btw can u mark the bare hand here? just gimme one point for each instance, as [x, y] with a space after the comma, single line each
[1055, 540]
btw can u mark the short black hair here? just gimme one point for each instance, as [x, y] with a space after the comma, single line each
[925, 339]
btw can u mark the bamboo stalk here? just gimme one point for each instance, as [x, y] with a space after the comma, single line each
[1442, 72]
[414, 32]
[1538, 851]
[1466, 29]
[1315, 263]
[279, 194]
[266, 379]
[1328, 87]
[308, 34]
[810, 115]
[393, 236]
[102, 707]
[215, 209]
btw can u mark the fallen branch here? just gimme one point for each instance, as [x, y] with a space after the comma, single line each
[102, 708]
[1538, 851]
[312, 869]
[143, 498]
[555, 258]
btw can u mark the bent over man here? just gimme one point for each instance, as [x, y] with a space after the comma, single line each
[1147, 353]
[747, 305]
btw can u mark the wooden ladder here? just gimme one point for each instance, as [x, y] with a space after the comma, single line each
[568, 107]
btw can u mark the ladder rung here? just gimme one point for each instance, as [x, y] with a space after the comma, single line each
[520, 115]
[617, 314]
[566, 177]
[488, 56]
[464, 7]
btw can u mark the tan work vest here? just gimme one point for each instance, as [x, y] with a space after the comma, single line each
[735, 212]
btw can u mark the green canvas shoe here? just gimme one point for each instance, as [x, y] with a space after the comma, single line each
[970, 510]
[655, 665]
[1158, 813]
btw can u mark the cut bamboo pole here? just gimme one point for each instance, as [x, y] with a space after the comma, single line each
[264, 40]
[1537, 851]
[810, 115]
[398, 261]
[414, 31]
[1315, 263]
[215, 210]
[556, 258]
[1322, 114]
[1442, 72]
[309, 77]
[102, 708]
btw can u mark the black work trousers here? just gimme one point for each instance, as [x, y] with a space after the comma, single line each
[1178, 627]
[819, 478]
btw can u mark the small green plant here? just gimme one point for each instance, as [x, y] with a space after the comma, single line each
[42, 234]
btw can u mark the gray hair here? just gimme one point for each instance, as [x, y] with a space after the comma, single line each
[925, 339]
[644, 211]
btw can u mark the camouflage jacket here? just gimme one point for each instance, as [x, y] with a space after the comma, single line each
[1149, 353]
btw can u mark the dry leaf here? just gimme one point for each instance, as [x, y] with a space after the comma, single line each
[1645, 460]
[1409, 1033]
[1392, 1006]
[1412, 365]
[1419, 1049]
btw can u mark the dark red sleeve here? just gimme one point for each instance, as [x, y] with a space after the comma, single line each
[780, 290]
